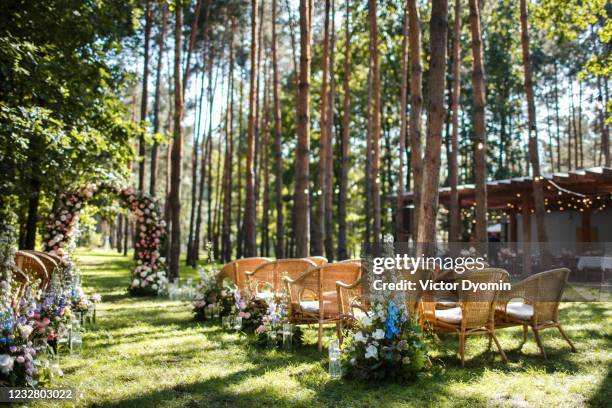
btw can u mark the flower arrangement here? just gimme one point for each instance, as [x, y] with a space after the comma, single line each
[149, 274]
[385, 345]
[270, 333]
[251, 310]
[210, 293]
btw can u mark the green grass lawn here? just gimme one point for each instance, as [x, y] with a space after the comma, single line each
[149, 352]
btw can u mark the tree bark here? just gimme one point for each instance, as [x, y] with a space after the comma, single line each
[557, 121]
[301, 196]
[455, 216]
[226, 244]
[250, 210]
[279, 250]
[416, 102]
[329, 149]
[145, 94]
[538, 181]
[319, 222]
[346, 132]
[375, 111]
[480, 154]
[399, 216]
[177, 151]
[431, 174]
[605, 134]
[157, 102]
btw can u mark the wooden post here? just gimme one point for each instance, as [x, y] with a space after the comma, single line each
[526, 216]
[513, 226]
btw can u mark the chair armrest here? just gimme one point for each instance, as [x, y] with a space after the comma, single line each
[343, 285]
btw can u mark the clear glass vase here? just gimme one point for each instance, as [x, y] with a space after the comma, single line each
[287, 336]
[335, 368]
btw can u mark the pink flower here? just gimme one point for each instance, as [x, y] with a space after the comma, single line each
[46, 321]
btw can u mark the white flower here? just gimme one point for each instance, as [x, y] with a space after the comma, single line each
[6, 364]
[371, 352]
[379, 334]
[382, 316]
[359, 337]
[406, 360]
[135, 283]
[25, 331]
[366, 320]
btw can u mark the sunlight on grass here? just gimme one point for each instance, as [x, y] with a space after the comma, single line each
[149, 352]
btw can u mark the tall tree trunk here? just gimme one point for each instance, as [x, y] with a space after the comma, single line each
[265, 168]
[399, 216]
[375, 112]
[204, 155]
[239, 213]
[190, 261]
[251, 210]
[580, 143]
[480, 154]
[557, 121]
[328, 193]
[302, 216]
[177, 151]
[605, 134]
[319, 221]
[346, 132]
[538, 183]
[435, 112]
[145, 94]
[368, 165]
[574, 126]
[455, 216]
[161, 44]
[416, 102]
[226, 244]
[279, 250]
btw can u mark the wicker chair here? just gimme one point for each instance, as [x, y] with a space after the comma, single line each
[313, 297]
[32, 266]
[20, 283]
[352, 302]
[541, 294]
[318, 260]
[474, 315]
[235, 271]
[50, 263]
[269, 276]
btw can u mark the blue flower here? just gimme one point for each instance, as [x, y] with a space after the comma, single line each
[391, 326]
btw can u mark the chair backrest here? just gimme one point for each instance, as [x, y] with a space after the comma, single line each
[50, 264]
[321, 281]
[544, 291]
[318, 260]
[413, 297]
[235, 270]
[354, 260]
[32, 266]
[350, 295]
[271, 273]
[20, 282]
[478, 307]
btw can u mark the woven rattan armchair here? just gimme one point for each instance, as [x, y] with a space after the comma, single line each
[475, 314]
[50, 263]
[541, 294]
[32, 266]
[413, 297]
[269, 276]
[313, 297]
[318, 260]
[235, 271]
[20, 283]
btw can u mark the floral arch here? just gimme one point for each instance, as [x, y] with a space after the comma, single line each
[149, 274]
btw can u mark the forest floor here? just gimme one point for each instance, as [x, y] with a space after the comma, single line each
[148, 352]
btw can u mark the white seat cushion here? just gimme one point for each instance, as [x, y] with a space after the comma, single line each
[452, 315]
[520, 311]
[446, 303]
[267, 296]
[310, 306]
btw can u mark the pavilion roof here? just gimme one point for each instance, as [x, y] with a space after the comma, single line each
[575, 185]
